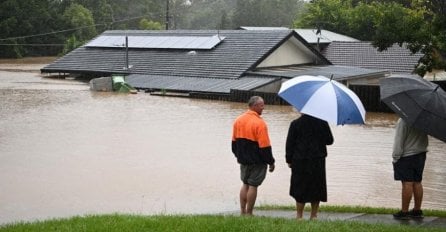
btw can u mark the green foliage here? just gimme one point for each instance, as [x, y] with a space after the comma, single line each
[409, 27]
[362, 21]
[80, 17]
[19, 18]
[71, 44]
[418, 25]
[145, 24]
[102, 13]
[126, 14]
[12, 49]
[47, 27]
[332, 15]
[421, 27]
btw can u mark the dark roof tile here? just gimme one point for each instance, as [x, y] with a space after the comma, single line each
[237, 53]
[363, 54]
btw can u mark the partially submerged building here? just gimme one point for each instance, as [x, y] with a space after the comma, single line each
[223, 64]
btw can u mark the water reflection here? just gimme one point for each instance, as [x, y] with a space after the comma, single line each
[67, 151]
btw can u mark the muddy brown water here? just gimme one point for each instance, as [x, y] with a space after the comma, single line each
[66, 151]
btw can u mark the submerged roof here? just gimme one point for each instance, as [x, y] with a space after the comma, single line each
[202, 60]
[311, 36]
[240, 51]
[154, 42]
[364, 55]
[338, 72]
[189, 60]
[264, 28]
[250, 80]
[196, 84]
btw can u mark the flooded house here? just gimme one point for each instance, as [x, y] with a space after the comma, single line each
[212, 64]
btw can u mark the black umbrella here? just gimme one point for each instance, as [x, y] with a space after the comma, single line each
[418, 102]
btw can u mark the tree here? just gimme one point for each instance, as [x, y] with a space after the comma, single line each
[40, 27]
[126, 14]
[203, 14]
[419, 25]
[332, 15]
[224, 22]
[26, 26]
[280, 13]
[178, 13]
[266, 13]
[422, 27]
[81, 19]
[71, 44]
[102, 13]
[145, 24]
[240, 13]
[362, 21]
[8, 25]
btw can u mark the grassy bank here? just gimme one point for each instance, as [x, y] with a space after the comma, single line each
[119, 222]
[354, 209]
[214, 223]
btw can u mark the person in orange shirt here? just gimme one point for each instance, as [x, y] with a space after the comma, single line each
[252, 148]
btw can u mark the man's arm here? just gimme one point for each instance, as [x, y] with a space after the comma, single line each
[398, 143]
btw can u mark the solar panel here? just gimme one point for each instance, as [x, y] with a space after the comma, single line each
[165, 42]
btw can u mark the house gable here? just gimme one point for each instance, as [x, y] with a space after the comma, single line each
[291, 52]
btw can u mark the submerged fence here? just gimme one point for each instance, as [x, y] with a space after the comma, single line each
[369, 96]
[241, 96]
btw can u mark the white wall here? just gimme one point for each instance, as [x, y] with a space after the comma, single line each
[292, 52]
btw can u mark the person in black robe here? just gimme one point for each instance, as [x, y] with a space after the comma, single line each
[306, 150]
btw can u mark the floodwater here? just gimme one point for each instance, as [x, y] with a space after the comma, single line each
[66, 151]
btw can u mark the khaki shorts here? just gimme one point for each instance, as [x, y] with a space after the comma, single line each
[253, 174]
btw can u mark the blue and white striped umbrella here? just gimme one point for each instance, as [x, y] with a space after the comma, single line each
[323, 98]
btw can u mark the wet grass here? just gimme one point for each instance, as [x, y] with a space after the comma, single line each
[121, 222]
[214, 223]
[354, 209]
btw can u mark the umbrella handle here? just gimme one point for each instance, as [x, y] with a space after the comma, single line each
[436, 88]
[331, 77]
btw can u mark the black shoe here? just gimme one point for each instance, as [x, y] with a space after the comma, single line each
[401, 215]
[416, 214]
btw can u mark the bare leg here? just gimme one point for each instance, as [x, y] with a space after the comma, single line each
[243, 198]
[300, 210]
[406, 195]
[314, 209]
[251, 199]
[417, 195]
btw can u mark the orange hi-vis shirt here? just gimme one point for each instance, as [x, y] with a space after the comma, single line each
[250, 140]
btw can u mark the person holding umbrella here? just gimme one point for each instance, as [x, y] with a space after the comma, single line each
[252, 148]
[320, 100]
[409, 156]
[306, 150]
[421, 106]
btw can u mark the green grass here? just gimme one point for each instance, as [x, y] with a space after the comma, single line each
[353, 209]
[214, 223]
